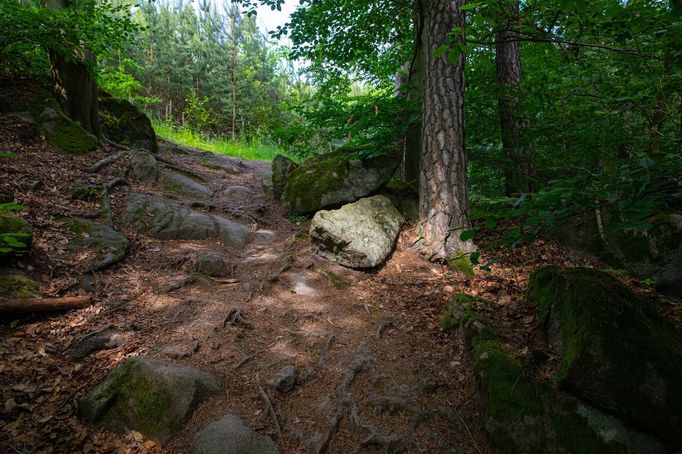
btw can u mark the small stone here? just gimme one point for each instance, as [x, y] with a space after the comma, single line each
[180, 350]
[211, 264]
[238, 193]
[230, 435]
[285, 380]
[448, 289]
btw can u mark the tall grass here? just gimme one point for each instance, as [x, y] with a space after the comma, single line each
[242, 149]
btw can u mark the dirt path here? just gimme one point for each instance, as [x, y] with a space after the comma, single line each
[375, 372]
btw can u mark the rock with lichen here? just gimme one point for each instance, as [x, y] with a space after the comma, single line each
[335, 178]
[151, 396]
[124, 123]
[231, 435]
[281, 168]
[102, 245]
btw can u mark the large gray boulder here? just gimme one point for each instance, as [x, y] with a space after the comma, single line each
[143, 168]
[221, 162]
[103, 245]
[183, 185]
[335, 178]
[281, 167]
[152, 396]
[168, 220]
[124, 123]
[230, 435]
[358, 235]
[613, 346]
[654, 254]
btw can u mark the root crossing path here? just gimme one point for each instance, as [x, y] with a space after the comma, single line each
[318, 357]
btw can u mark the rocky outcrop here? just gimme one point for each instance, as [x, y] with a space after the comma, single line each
[358, 235]
[613, 346]
[238, 193]
[281, 168]
[230, 435]
[523, 413]
[168, 220]
[220, 162]
[335, 178]
[655, 253]
[149, 395]
[102, 245]
[124, 123]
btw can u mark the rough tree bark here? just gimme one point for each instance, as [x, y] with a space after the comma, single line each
[74, 85]
[443, 180]
[519, 169]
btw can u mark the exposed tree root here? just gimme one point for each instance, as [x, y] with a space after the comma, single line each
[99, 165]
[234, 317]
[269, 407]
[185, 281]
[320, 441]
[391, 443]
[246, 359]
[285, 265]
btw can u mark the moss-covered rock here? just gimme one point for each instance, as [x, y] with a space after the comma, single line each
[523, 414]
[35, 102]
[335, 178]
[18, 229]
[82, 190]
[143, 168]
[281, 167]
[124, 123]
[149, 395]
[654, 254]
[613, 347]
[14, 285]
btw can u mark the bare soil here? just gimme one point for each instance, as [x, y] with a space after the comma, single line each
[377, 371]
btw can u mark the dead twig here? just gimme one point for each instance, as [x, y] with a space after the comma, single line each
[234, 317]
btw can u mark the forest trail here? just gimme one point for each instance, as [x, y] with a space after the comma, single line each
[374, 371]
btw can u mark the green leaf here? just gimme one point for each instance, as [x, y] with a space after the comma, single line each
[474, 257]
[440, 51]
[467, 235]
[490, 223]
[469, 6]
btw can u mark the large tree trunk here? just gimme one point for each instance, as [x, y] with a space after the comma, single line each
[443, 179]
[519, 169]
[74, 85]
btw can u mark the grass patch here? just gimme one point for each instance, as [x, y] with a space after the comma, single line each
[253, 149]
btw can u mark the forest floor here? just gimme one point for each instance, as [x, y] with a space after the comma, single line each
[369, 346]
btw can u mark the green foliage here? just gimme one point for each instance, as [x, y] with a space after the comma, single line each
[14, 232]
[31, 32]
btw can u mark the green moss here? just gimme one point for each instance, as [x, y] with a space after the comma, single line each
[574, 434]
[69, 137]
[461, 298]
[82, 190]
[462, 262]
[308, 183]
[337, 281]
[613, 346]
[18, 286]
[10, 223]
[77, 226]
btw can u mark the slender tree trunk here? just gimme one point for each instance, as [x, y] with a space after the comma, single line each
[660, 111]
[74, 85]
[443, 179]
[235, 50]
[519, 171]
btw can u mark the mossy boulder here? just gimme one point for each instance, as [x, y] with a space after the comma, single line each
[335, 178]
[33, 101]
[82, 190]
[281, 167]
[524, 414]
[616, 351]
[152, 396]
[102, 245]
[18, 229]
[655, 253]
[124, 123]
[15, 285]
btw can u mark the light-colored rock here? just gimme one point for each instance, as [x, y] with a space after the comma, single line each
[230, 435]
[358, 235]
[238, 193]
[285, 380]
[151, 396]
[231, 233]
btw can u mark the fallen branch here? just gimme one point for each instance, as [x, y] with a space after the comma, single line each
[268, 405]
[99, 165]
[44, 304]
[246, 359]
[225, 281]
